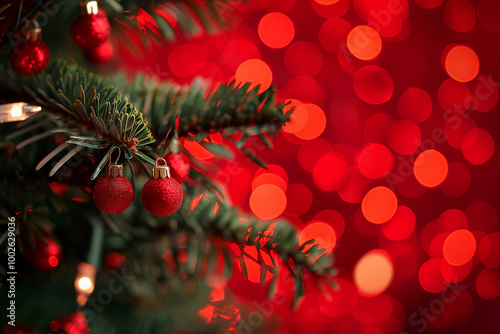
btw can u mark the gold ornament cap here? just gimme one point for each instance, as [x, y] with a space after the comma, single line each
[115, 170]
[161, 171]
[89, 7]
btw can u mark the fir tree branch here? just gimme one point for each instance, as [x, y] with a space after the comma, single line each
[166, 20]
[95, 115]
[230, 109]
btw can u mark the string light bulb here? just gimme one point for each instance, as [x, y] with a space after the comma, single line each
[84, 282]
[19, 111]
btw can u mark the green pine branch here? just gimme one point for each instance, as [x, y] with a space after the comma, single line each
[93, 115]
[235, 111]
[166, 20]
[196, 244]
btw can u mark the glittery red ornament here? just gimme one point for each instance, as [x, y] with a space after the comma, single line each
[179, 168]
[161, 195]
[113, 194]
[90, 30]
[30, 58]
[46, 255]
[101, 54]
[75, 323]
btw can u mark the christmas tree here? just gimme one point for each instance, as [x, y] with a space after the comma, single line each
[109, 223]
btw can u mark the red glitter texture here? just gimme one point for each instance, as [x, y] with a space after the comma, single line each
[113, 195]
[31, 58]
[90, 31]
[162, 197]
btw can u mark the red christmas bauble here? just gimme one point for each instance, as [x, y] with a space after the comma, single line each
[46, 255]
[75, 323]
[179, 168]
[30, 58]
[162, 197]
[90, 31]
[113, 195]
[101, 54]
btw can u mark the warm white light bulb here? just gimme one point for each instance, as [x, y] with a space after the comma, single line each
[18, 111]
[85, 284]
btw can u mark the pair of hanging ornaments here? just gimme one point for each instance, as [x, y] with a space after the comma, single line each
[161, 195]
[89, 31]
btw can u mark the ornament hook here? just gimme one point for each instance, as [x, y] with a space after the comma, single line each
[111, 154]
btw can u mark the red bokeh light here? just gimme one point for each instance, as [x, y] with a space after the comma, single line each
[478, 146]
[404, 137]
[459, 247]
[415, 105]
[460, 15]
[333, 33]
[329, 171]
[373, 85]
[255, 71]
[276, 30]
[375, 161]
[379, 205]
[401, 225]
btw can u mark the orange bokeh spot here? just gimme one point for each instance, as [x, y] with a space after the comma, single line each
[401, 225]
[462, 63]
[415, 105]
[329, 171]
[322, 233]
[255, 71]
[430, 168]
[315, 124]
[326, 2]
[478, 146]
[364, 42]
[404, 137]
[373, 273]
[268, 201]
[269, 178]
[459, 247]
[276, 30]
[379, 205]
[375, 161]
[488, 283]
[431, 277]
[373, 84]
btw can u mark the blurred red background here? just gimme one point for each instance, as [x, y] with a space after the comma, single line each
[389, 160]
